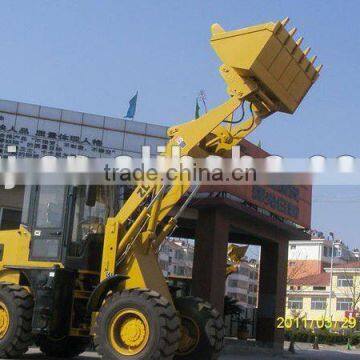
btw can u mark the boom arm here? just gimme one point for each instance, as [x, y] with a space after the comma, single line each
[258, 77]
[166, 197]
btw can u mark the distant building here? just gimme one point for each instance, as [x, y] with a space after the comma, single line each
[308, 297]
[37, 131]
[176, 260]
[243, 285]
[311, 257]
[176, 257]
[33, 131]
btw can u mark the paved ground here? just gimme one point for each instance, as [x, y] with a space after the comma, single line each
[303, 352]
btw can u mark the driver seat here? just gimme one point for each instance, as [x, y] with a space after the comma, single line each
[89, 255]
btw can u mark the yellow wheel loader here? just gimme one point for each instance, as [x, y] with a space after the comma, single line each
[79, 268]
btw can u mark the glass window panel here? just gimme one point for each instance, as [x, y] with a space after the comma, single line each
[135, 126]
[50, 113]
[70, 130]
[26, 207]
[50, 207]
[343, 304]
[132, 154]
[49, 126]
[45, 248]
[93, 120]
[133, 143]
[114, 123]
[29, 123]
[295, 303]
[112, 153]
[8, 106]
[8, 120]
[69, 139]
[28, 109]
[91, 142]
[72, 116]
[345, 281]
[318, 303]
[46, 137]
[154, 143]
[113, 139]
[156, 130]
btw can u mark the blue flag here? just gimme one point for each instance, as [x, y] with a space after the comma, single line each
[132, 107]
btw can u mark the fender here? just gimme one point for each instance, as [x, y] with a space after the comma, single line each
[98, 295]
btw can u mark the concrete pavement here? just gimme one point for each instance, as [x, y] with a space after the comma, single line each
[303, 352]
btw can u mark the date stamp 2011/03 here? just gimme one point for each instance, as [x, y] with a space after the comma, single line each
[290, 323]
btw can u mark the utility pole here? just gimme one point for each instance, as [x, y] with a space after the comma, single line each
[331, 272]
[202, 97]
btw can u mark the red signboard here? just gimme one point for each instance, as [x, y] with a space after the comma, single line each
[290, 202]
[352, 314]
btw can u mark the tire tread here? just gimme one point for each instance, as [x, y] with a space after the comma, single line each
[23, 339]
[170, 323]
[216, 337]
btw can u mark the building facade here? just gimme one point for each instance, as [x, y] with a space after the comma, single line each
[313, 298]
[33, 131]
[40, 130]
[243, 284]
[176, 257]
[311, 257]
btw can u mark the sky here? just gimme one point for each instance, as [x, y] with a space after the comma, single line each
[93, 56]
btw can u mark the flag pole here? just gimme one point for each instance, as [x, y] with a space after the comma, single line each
[136, 95]
[202, 97]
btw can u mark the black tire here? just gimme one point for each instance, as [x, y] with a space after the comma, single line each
[19, 305]
[203, 329]
[67, 347]
[162, 320]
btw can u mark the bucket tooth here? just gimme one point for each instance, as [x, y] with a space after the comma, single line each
[307, 50]
[285, 21]
[318, 69]
[293, 31]
[297, 44]
[216, 29]
[299, 41]
[312, 60]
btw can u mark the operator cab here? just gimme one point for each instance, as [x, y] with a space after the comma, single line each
[67, 223]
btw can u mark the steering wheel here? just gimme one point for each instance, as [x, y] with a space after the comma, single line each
[89, 221]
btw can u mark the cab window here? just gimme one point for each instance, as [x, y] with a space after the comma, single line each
[50, 209]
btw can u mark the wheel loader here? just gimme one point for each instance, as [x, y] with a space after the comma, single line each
[79, 270]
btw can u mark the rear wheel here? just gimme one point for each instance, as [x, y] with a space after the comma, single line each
[16, 309]
[139, 324]
[202, 329]
[67, 347]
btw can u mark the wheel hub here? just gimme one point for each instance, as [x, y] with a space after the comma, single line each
[4, 320]
[132, 332]
[190, 335]
[129, 332]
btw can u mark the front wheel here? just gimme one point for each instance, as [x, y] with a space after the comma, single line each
[16, 310]
[139, 324]
[202, 329]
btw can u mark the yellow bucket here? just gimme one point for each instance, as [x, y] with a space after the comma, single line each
[269, 55]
